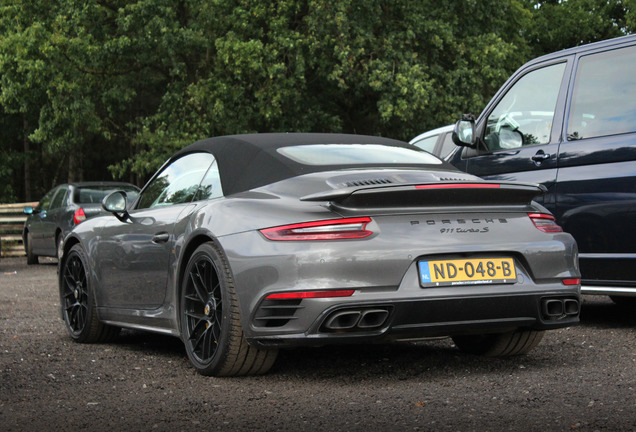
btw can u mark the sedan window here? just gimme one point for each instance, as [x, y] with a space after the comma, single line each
[427, 144]
[178, 182]
[60, 198]
[46, 200]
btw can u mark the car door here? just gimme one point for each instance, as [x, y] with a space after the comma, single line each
[135, 257]
[520, 131]
[596, 190]
[53, 221]
[38, 223]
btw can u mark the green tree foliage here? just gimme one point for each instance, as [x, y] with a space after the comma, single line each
[91, 84]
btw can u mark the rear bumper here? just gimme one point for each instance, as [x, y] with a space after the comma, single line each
[422, 318]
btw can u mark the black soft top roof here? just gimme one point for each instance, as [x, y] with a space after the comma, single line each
[249, 161]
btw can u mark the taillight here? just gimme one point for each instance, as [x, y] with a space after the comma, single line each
[79, 216]
[571, 281]
[545, 222]
[335, 229]
[311, 294]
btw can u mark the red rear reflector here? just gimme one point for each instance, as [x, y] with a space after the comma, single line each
[545, 222]
[79, 216]
[311, 294]
[460, 186]
[573, 281]
[335, 229]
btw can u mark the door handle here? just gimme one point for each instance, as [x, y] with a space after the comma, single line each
[540, 156]
[161, 237]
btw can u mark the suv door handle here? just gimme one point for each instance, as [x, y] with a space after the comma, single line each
[161, 237]
[541, 156]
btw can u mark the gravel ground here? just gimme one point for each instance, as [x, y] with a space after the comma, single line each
[580, 378]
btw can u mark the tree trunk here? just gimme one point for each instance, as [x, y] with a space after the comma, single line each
[27, 164]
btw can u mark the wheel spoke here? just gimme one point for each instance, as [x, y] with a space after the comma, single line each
[198, 284]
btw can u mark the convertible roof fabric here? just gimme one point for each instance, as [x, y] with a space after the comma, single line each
[250, 161]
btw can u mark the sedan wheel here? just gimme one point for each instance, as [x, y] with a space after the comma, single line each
[78, 303]
[499, 344]
[211, 325]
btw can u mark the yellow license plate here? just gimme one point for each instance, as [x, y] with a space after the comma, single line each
[475, 271]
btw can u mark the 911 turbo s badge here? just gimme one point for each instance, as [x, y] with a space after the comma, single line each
[450, 225]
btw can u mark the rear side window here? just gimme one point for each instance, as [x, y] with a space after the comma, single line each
[604, 97]
[60, 198]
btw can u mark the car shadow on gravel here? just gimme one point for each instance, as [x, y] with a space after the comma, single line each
[149, 343]
[400, 360]
[600, 312]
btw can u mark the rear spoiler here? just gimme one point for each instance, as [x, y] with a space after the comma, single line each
[432, 195]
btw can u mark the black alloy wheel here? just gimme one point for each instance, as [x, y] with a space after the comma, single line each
[78, 304]
[211, 325]
[203, 309]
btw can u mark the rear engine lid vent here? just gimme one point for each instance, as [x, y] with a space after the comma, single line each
[368, 182]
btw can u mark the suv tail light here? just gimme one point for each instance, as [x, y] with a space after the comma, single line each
[545, 222]
[335, 229]
[79, 216]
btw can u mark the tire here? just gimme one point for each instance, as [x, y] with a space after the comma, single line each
[77, 300]
[624, 301]
[31, 257]
[499, 344]
[210, 323]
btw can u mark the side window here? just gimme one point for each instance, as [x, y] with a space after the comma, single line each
[604, 97]
[524, 115]
[447, 146]
[46, 200]
[60, 198]
[427, 144]
[178, 182]
[211, 184]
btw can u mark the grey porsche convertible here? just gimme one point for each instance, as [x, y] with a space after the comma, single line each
[243, 245]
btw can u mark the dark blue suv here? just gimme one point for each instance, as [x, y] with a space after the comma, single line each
[568, 121]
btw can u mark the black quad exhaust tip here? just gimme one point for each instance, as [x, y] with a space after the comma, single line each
[373, 318]
[558, 308]
[343, 320]
[356, 319]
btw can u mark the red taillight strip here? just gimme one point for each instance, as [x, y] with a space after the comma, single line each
[334, 229]
[572, 281]
[545, 222]
[311, 294]
[460, 186]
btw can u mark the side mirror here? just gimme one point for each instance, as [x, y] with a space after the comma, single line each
[464, 132]
[115, 203]
[28, 210]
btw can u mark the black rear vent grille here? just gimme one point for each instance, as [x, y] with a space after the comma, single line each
[370, 182]
[452, 179]
[276, 313]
